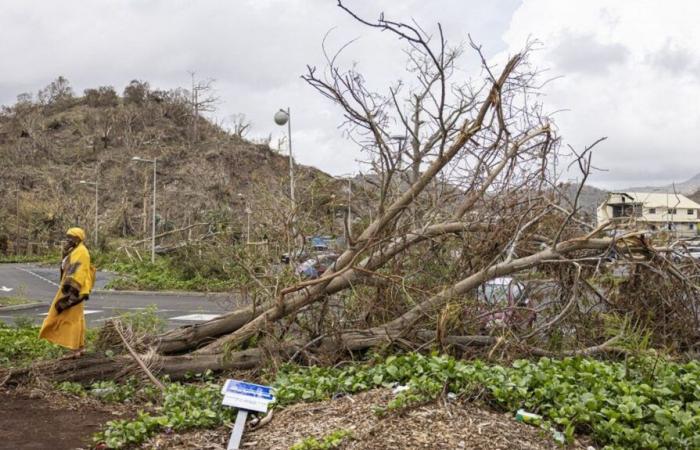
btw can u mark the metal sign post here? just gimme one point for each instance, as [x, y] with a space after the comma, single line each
[246, 397]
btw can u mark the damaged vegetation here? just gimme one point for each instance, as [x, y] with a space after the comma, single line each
[459, 241]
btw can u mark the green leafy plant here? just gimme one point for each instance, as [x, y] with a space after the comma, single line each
[644, 403]
[329, 441]
[184, 407]
[20, 345]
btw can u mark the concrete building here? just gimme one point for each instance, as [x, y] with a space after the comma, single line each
[653, 211]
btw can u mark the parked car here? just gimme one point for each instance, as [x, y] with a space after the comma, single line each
[508, 299]
[694, 252]
[680, 253]
[315, 267]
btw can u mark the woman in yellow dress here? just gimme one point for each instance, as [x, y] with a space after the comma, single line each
[65, 323]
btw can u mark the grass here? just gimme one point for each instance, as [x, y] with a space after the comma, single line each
[160, 276]
[20, 344]
[16, 259]
[14, 300]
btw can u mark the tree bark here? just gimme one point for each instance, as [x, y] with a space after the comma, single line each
[189, 337]
[91, 368]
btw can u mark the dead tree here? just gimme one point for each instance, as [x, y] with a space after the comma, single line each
[202, 99]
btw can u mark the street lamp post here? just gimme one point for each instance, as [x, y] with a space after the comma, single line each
[283, 117]
[153, 220]
[97, 196]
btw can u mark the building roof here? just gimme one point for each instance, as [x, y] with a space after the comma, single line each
[661, 200]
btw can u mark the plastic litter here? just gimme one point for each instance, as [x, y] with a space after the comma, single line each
[527, 417]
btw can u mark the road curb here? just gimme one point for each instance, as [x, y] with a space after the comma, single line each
[20, 307]
[170, 293]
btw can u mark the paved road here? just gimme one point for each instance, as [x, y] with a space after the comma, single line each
[40, 284]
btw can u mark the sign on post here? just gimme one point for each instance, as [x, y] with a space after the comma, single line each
[246, 397]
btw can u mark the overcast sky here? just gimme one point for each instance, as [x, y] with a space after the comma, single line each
[625, 69]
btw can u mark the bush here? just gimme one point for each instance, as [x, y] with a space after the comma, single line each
[104, 96]
[136, 92]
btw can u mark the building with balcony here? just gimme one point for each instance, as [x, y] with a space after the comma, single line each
[653, 211]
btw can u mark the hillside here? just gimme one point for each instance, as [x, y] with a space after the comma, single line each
[688, 187]
[205, 174]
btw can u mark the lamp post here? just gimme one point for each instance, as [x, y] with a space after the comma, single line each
[94, 183]
[283, 117]
[153, 220]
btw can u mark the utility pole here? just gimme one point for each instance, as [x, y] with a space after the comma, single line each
[17, 217]
[349, 211]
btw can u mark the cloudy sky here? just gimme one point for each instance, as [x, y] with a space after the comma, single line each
[625, 69]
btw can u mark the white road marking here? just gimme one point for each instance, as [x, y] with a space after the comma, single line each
[105, 319]
[196, 317]
[136, 308]
[37, 275]
[87, 311]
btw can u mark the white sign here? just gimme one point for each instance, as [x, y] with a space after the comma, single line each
[249, 396]
[246, 397]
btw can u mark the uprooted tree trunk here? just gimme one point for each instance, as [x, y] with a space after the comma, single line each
[474, 200]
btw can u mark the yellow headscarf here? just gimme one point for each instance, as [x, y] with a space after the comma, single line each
[76, 233]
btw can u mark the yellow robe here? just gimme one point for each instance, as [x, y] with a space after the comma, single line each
[68, 328]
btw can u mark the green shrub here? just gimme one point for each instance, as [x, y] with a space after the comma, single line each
[145, 321]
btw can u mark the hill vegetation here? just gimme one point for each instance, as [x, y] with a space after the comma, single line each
[206, 174]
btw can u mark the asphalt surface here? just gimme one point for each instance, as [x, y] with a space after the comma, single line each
[40, 284]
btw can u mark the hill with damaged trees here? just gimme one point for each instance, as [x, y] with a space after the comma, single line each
[205, 174]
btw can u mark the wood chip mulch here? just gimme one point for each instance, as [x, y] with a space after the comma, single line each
[439, 425]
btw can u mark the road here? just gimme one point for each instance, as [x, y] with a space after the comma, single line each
[40, 284]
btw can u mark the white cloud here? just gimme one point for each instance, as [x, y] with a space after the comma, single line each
[630, 70]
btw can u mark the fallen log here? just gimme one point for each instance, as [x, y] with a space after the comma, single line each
[97, 367]
[189, 337]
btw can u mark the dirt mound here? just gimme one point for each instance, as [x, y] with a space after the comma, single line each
[33, 422]
[451, 425]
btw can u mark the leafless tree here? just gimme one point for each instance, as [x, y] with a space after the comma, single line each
[240, 125]
[202, 99]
